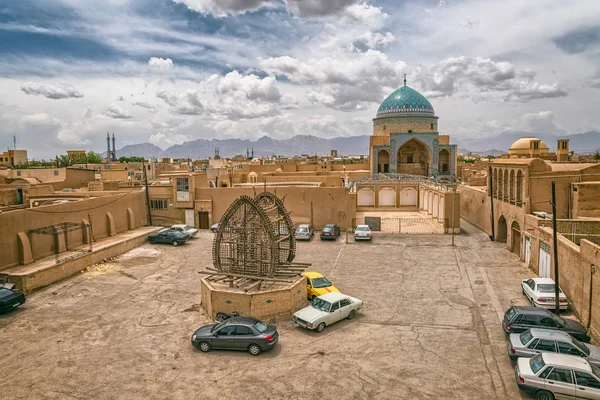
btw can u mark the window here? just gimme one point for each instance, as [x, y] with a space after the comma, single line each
[532, 345]
[183, 185]
[158, 204]
[227, 331]
[409, 158]
[584, 379]
[536, 363]
[243, 330]
[546, 372]
[525, 337]
[548, 322]
[568, 348]
[55, 172]
[260, 326]
[431, 126]
[18, 173]
[335, 306]
[561, 375]
[344, 303]
[546, 345]
[529, 319]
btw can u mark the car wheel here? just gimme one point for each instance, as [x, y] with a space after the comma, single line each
[352, 314]
[254, 349]
[175, 243]
[151, 241]
[204, 347]
[544, 395]
[320, 327]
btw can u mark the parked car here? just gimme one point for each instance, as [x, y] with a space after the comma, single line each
[326, 310]
[558, 376]
[330, 232]
[169, 237]
[215, 227]
[304, 232]
[317, 285]
[190, 230]
[518, 319]
[362, 232]
[534, 341]
[9, 299]
[236, 333]
[541, 293]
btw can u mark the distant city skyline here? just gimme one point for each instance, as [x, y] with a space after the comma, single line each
[172, 71]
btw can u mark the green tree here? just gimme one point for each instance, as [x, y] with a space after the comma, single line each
[93, 158]
[63, 161]
[130, 159]
[597, 155]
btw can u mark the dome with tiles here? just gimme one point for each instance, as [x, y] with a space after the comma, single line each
[405, 101]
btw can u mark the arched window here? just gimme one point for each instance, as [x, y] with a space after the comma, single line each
[519, 188]
[505, 186]
[512, 186]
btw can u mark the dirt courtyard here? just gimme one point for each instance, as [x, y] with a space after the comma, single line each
[430, 328]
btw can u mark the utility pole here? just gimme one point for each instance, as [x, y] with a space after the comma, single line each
[555, 242]
[491, 175]
[14, 142]
[147, 194]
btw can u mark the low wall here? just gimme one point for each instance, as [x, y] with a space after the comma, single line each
[269, 305]
[30, 278]
[475, 207]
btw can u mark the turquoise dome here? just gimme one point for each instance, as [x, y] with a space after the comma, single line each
[405, 101]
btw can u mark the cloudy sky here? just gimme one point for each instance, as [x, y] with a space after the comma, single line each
[170, 71]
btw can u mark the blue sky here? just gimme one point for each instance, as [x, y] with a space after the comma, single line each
[170, 71]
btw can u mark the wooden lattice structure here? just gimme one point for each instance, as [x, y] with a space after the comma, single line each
[256, 241]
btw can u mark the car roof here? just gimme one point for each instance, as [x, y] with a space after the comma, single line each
[312, 274]
[329, 226]
[333, 296]
[565, 360]
[549, 334]
[178, 226]
[531, 310]
[543, 281]
[363, 226]
[304, 225]
[248, 321]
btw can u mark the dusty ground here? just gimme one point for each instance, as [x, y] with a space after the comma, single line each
[430, 328]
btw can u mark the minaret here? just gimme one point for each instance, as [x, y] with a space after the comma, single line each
[108, 157]
[404, 79]
[114, 151]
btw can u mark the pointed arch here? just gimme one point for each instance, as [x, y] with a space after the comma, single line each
[414, 157]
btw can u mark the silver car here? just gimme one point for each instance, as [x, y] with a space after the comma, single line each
[551, 376]
[190, 230]
[534, 341]
[304, 232]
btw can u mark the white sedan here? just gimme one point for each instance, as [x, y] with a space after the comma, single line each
[541, 293]
[327, 309]
[362, 232]
[190, 230]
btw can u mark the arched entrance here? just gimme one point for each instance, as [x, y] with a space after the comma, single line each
[365, 198]
[444, 162]
[383, 161]
[414, 158]
[408, 197]
[387, 197]
[502, 230]
[516, 238]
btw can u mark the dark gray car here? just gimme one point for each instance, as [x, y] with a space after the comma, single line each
[237, 333]
[518, 319]
[169, 236]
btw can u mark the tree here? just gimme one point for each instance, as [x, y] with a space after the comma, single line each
[597, 155]
[64, 161]
[130, 159]
[93, 158]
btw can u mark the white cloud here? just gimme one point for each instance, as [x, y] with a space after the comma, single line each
[541, 122]
[376, 40]
[62, 91]
[364, 14]
[165, 140]
[41, 119]
[144, 104]
[223, 8]
[160, 64]
[478, 76]
[117, 112]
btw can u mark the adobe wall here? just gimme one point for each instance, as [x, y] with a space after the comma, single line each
[269, 306]
[586, 200]
[93, 210]
[475, 207]
[328, 205]
[75, 179]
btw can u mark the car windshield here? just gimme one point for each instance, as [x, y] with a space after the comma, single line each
[321, 304]
[362, 228]
[327, 229]
[260, 326]
[525, 337]
[537, 363]
[187, 227]
[595, 370]
[320, 282]
[581, 346]
[547, 288]
[217, 326]
[302, 229]
[5, 292]
[510, 314]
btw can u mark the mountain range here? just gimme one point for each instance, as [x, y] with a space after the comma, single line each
[587, 142]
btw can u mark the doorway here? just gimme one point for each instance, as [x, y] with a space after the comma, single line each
[516, 238]
[502, 230]
[527, 250]
[544, 260]
[189, 218]
[203, 220]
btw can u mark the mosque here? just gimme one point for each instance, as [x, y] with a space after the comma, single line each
[406, 139]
